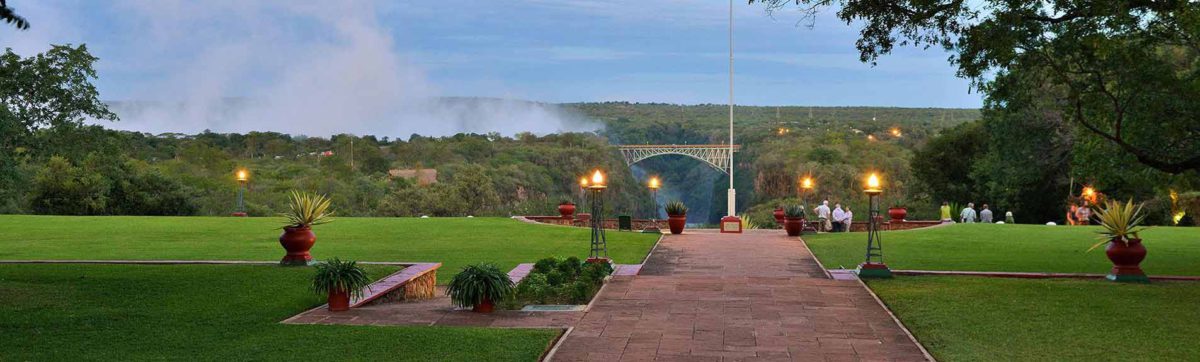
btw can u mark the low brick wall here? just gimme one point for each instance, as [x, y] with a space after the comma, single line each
[584, 221]
[893, 225]
[415, 282]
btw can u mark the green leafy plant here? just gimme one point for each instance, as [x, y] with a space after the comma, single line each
[560, 281]
[1120, 222]
[794, 211]
[676, 208]
[307, 209]
[748, 223]
[566, 202]
[479, 282]
[336, 274]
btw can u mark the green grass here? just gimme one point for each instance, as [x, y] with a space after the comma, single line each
[212, 312]
[455, 242]
[1017, 248]
[993, 319]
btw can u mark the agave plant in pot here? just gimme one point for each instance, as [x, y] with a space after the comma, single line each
[1121, 224]
[897, 212]
[479, 287]
[793, 220]
[340, 280]
[566, 208]
[676, 216]
[305, 211]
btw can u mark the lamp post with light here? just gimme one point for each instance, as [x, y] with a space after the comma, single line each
[243, 178]
[599, 252]
[654, 184]
[806, 186]
[874, 267]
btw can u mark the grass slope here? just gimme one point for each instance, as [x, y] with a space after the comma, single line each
[212, 312]
[993, 319]
[455, 242]
[1019, 248]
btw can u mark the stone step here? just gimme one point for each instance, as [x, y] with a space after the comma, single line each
[396, 282]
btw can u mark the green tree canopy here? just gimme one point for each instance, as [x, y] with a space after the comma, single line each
[1121, 70]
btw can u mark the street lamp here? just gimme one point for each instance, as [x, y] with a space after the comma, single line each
[243, 178]
[896, 132]
[654, 184]
[599, 252]
[806, 186]
[874, 267]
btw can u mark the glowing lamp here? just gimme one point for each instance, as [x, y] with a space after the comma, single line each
[583, 182]
[243, 175]
[597, 180]
[654, 184]
[870, 137]
[806, 183]
[873, 184]
[896, 132]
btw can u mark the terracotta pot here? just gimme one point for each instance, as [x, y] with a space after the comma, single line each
[566, 210]
[1126, 258]
[297, 242]
[339, 301]
[677, 222]
[779, 216]
[794, 226]
[484, 307]
[897, 213]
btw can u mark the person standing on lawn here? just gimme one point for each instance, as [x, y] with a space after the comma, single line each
[985, 215]
[838, 217]
[823, 216]
[1083, 214]
[849, 219]
[968, 214]
[946, 212]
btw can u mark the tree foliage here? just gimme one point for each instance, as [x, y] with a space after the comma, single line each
[1122, 71]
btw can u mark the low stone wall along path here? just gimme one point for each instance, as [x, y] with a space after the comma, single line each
[705, 296]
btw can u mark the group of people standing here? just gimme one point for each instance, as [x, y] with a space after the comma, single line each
[968, 215]
[836, 220]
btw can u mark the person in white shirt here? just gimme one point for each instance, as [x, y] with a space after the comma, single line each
[849, 219]
[985, 215]
[968, 214]
[823, 215]
[839, 217]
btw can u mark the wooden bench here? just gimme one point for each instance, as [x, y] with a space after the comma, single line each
[415, 282]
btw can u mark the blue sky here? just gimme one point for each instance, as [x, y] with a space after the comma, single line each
[358, 56]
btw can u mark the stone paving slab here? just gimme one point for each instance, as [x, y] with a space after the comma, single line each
[705, 296]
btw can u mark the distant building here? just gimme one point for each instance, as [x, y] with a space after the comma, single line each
[423, 176]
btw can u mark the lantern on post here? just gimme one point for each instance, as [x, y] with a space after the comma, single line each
[243, 178]
[654, 185]
[873, 266]
[599, 244]
[807, 184]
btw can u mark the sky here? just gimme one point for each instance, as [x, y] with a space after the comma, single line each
[378, 66]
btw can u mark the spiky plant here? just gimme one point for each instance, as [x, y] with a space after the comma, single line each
[1120, 222]
[479, 282]
[748, 223]
[335, 274]
[794, 211]
[307, 209]
[676, 208]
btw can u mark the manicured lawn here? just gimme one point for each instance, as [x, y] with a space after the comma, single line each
[1022, 248]
[212, 312]
[994, 319]
[455, 242]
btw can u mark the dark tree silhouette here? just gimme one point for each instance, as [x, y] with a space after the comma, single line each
[9, 16]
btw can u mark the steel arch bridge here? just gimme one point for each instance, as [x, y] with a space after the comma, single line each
[716, 156]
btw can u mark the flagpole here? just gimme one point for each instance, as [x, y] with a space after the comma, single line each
[732, 192]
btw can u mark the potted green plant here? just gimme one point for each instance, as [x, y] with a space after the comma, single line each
[676, 216]
[479, 286]
[566, 208]
[793, 220]
[1120, 227]
[340, 280]
[304, 211]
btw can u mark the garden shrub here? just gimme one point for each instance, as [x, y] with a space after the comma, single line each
[561, 281]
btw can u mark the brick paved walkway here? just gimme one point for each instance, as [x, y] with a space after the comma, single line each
[705, 296]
